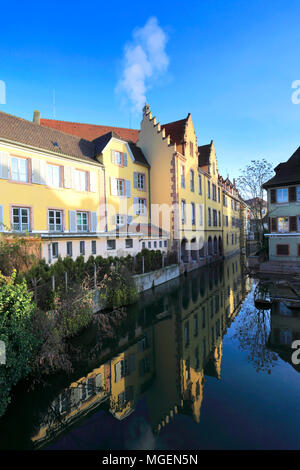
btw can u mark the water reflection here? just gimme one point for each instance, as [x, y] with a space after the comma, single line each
[175, 341]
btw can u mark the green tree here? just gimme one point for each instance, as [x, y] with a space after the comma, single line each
[16, 313]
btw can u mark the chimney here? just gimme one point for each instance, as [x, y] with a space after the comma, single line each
[37, 116]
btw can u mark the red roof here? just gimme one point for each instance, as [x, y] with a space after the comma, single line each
[175, 130]
[90, 131]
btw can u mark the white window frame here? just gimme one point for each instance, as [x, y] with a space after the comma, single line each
[57, 227]
[141, 181]
[22, 226]
[282, 191]
[17, 172]
[82, 226]
[121, 187]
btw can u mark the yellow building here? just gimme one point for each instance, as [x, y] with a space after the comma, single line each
[195, 204]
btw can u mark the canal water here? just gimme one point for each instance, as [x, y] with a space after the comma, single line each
[195, 366]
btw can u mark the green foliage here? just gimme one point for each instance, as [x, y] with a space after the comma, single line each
[117, 288]
[16, 314]
[16, 253]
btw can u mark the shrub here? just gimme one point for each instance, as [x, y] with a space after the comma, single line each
[16, 313]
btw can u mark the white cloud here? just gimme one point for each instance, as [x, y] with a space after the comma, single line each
[145, 60]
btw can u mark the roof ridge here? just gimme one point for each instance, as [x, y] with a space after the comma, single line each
[88, 124]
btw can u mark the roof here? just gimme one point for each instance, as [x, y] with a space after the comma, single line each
[90, 131]
[101, 142]
[204, 154]
[287, 172]
[29, 133]
[175, 130]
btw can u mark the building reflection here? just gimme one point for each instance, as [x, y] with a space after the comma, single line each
[177, 342]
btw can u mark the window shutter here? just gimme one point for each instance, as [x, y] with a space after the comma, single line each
[98, 382]
[124, 159]
[1, 218]
[113, 158]
[43, 172]
[4, 156]
[72, 221]
[118, 371]
[113, 186]
[273, 224]
[273, 196]
[292, 194]
[94, 222]
[293, 224]
[127, 188]
[135, 179]
[131, 363]
[136, 205]
[129, 219]
[35, 174]
[67, 177]
[93, 182]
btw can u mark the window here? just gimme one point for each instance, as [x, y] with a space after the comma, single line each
[203, 317]
[128, 243]
[227, 239]
[141, 209]
[160, 244]
[143, 245]
[282, 250]
[140, 181]
[82, 248]
[94, 247]
[165, 243]
[224, 200]
[54, 250]
[69, 249]
[215, 218]
[82, 221]
[298, 193]
[219, 197]
[192, 180]
[209, 217]
[195, 324]
[186, 334]
[149, 244]
[20, 219]
[282, 195]
[232, 238]
[200, 184]
[193, 213]
[53, 176]
[219, 219]
[283, 224]
[200, 215]
[19, 169]
[226, 219]
[120, 220]
[55, 221]
[183, 211]
[120, 187]
[80, 180]
[182, 176]
[214, 192]
[208, 189]
[119, 158]
[111, 244]
[191, 148]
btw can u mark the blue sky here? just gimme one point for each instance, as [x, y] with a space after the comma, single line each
[231, 65]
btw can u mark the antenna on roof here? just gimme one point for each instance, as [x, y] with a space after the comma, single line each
[53, 104]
